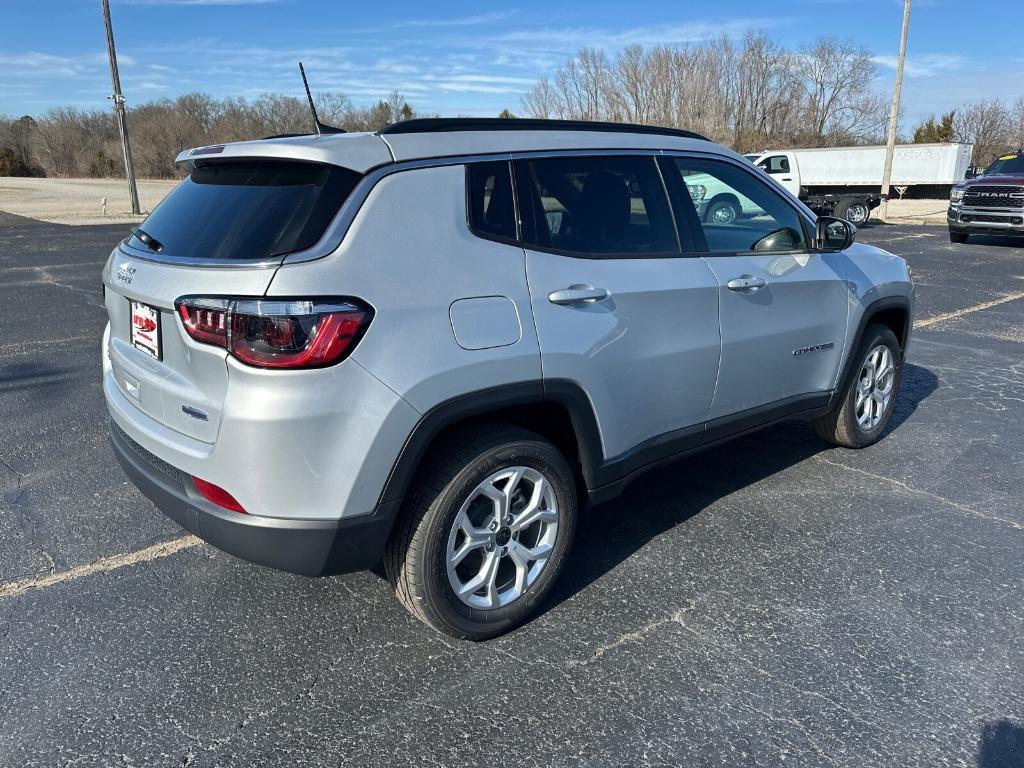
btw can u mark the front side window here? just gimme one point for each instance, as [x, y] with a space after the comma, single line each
[738, 212]
[598, 205]
[490, 201]
[247, 209]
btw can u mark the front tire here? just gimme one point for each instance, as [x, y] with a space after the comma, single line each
[958, 237]
[486, 531]
[860, 418]
[722, 212]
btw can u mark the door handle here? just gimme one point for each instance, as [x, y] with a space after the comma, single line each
[576, 294]
[746, 284]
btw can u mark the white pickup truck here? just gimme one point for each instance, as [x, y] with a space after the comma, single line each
[846, 181]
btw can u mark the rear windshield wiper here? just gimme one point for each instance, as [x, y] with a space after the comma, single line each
[151, 242]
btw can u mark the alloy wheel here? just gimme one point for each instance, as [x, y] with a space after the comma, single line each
[502, 537]
[874, 387]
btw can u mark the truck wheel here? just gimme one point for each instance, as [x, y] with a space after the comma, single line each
[485, 533]
[958, 237]
[722, 212]
[860, 417]
[854, 211]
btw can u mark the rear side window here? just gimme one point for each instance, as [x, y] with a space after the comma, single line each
[491, 208]
[598, 205]
[248, 210]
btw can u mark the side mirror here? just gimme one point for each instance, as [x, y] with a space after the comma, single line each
[972, 172]
[832, 234]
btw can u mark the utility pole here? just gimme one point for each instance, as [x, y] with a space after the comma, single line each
[894, 113]
[118, 99]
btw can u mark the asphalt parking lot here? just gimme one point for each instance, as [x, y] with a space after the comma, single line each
[771, 602]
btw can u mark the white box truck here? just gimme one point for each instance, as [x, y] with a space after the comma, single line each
[847, 181]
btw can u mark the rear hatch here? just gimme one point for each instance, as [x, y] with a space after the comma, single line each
[222, 232]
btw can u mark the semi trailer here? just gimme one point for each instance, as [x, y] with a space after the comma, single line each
[847, 181]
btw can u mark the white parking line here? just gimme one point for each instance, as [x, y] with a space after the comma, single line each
[968, 310]
[106, 564]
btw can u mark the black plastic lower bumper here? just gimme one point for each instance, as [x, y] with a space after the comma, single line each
[307, 547]
[985, 222]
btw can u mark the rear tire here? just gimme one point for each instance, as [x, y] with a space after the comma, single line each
[467, 523]
[869, 395]
[958, 237]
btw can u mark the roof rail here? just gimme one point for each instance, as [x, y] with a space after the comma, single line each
[445, 124]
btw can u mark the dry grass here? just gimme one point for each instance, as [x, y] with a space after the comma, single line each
[915, 212]
[78, 201]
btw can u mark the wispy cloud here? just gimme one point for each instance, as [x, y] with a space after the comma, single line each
[198, 2]
[37, 64]
[690, 32]
[924, 65]
[463, 21]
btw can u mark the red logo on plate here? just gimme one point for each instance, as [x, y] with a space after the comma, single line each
[143, 323]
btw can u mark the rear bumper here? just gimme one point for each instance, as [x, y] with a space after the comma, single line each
[307, 547]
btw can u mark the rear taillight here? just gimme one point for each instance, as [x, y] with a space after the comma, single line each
[277, 333]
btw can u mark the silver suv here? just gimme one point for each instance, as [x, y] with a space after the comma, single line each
[435, 343]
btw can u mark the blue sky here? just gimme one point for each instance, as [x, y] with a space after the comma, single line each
[467, 58]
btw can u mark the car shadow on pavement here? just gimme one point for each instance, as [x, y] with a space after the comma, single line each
[609, 533]
[1002, 745]
[915, 387]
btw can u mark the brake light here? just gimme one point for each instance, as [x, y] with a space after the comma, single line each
[272, 333]
[218, 496]
[205, 319]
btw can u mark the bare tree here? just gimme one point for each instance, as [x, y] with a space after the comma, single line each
[988, 125]
[841, 107]
[17, 139]
[1017, 124]
[541, 100]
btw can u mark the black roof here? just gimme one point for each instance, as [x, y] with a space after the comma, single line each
[447, 124]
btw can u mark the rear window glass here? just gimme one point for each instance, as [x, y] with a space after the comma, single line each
[248, 210]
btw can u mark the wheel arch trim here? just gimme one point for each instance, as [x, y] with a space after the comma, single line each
[470, 405]
[870, 311]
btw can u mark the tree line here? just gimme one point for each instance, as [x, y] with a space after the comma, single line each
[751, 94]
[756, 94]
[71, 142]
[991, 125]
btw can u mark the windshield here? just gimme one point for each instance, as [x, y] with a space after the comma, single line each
[1007, 164]
[246, 210]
